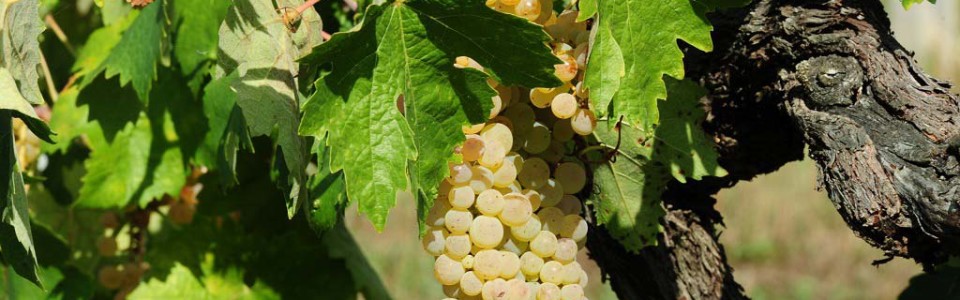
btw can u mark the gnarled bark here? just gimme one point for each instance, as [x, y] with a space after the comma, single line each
[826, 74]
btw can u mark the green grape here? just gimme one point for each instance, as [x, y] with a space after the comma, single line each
[513, 245]
[447, 270]
[490, 203]
[452, 291]
[544, 245]
[569, 205]
[435, 216]
[551, 219]
[562, 131]
[534, 174]
[110, 277]
[486, 232]
[522, 116]
[571, 176]
[552, 193]
[535, 198]
[538, 139]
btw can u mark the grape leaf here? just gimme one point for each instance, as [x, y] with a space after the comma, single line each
[681, 143]
[16, 240]
[21, 50]
[327, 190]
[628, 189]
[256, 45]
[227, 129]
[646, 33]
[198, 25]
[214, 284]
[908, 3]
[135, 55]
[408, 48]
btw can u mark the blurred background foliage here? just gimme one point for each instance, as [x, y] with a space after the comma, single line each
[783, 237]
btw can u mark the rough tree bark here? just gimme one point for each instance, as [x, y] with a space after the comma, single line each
[829, 75]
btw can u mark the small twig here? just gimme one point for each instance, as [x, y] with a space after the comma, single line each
[48, 77]
[325, 35]
[53, 25]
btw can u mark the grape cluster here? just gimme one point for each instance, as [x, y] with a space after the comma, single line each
[506, 223]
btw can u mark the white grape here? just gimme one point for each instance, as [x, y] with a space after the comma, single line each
[486, 232]
[564, 106]
[472, 148]
[459, 174]
[535, 198]
[517, 289]
[534, 174]
[509, 264]
[583, 122]
[497, 106]
[584, 278]
[500, 133]
[569, 205]
[458, 221]
[482, 179]
[552, 272]
[447, 270]
[528, 231]
[461, 197]
[509, 2]
[530, 264]
[571, 176]
[472, 129]
[566, 250]
[544, 245]
[486, 264]
[467, 261]
[551, 219]
[567, 70]
[516, 210]
[435, 217]
[551, 193]
[458, 246]
[494, 289]
[572, 272]
[534, 287]
[505, 175]
[434, 241]
[571, 292]
[470, 284]
[528, 9]
[548, 291]
[574, 227]
[490, 203]
[538, 139]
[493, 154]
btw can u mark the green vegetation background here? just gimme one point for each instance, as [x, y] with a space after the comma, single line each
[783, 237]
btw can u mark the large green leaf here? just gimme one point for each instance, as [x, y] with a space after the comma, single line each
[214, 284]
[681, 142]
[628, 187]
[258, 47]
[21, 51]
[198, 24]
[16, 240]
[646, 33]
[408, 48]
[134, 56]
[909, 3]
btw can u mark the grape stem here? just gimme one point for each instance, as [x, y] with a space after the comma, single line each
[303, 7]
